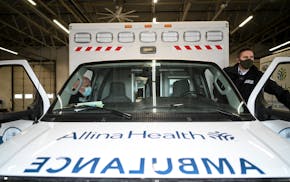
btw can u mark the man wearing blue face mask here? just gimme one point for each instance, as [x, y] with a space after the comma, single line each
[84, 91]
[245, 76]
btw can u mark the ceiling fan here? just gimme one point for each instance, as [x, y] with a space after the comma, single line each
[118, 15]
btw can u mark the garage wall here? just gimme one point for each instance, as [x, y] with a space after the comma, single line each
[17, 92]
[46, 73]
[23, 89]
[62, 66]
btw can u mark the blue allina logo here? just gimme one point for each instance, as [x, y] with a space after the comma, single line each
[281, 74]
[221, 136]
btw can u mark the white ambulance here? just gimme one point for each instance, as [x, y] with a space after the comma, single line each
[149, 102]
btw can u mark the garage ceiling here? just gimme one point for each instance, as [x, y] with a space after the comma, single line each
[23, 25]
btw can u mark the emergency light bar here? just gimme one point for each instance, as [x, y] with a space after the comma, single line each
[148, 36]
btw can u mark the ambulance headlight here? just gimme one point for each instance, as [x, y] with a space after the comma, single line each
[9, 133]
[285, 133]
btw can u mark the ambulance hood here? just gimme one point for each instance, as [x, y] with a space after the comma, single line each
[147, 150]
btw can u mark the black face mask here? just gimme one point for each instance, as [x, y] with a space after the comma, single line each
[246, 64]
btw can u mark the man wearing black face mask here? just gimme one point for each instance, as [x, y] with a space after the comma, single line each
[245, 76]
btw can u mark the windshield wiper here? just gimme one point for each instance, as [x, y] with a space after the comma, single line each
[115, 112]
[232, 116]
[86, 107]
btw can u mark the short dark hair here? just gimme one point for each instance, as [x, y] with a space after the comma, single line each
[244, 49]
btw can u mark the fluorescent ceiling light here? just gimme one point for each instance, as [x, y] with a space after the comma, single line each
[60, 25]
[7, 50]
[281, 50]
[246, 21]
[154, 20]
[32, 2]
[155, 1]
[278, 46]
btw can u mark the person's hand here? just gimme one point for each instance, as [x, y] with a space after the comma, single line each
[76, 84]
[82, 90]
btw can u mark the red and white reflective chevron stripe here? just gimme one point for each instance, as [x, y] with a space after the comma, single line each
[198, 47]
[97, 48]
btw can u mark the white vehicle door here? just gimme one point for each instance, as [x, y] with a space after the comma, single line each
[266, 107]
[22, 98]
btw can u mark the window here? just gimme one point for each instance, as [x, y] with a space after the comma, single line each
[149, 89]
[281, 77]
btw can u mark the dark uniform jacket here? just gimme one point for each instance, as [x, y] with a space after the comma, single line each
[246, 83]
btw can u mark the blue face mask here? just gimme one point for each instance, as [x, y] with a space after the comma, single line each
[87, 92]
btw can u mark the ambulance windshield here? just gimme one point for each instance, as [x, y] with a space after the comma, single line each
[151, 90]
